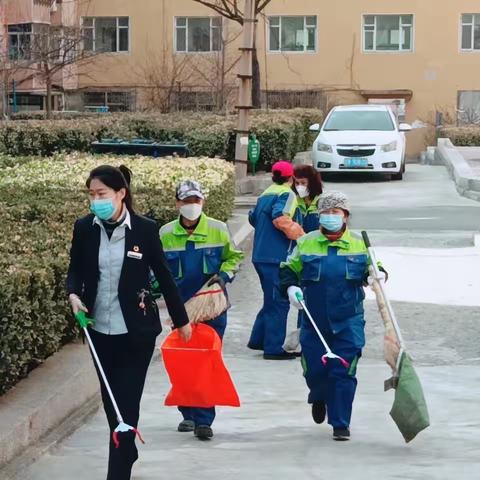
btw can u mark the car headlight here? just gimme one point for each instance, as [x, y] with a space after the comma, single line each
[323, 147]
[389, 147]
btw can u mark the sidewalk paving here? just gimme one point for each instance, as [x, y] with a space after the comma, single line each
[272, 434]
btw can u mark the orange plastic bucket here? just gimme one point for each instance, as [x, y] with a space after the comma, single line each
[196, 370]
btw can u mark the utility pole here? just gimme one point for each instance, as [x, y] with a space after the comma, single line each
[245, 76]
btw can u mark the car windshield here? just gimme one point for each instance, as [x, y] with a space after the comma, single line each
[359, 120]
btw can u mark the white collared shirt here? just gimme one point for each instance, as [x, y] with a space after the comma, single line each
[107, 311]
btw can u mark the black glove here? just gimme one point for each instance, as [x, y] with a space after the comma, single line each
[384, 271]
[218, 279]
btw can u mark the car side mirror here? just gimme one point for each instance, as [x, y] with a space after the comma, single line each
[315, 127]
[404, 127]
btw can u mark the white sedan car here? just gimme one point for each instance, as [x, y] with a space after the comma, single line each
[360, 138]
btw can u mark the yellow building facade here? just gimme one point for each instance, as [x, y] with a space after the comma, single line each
[421, 55]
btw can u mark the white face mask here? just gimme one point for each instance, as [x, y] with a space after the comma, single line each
[191, 211]
[302, 191]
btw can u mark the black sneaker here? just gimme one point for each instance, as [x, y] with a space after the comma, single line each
[341, 434]
[203, 432]
[318, 412]
[281, 356]
[186, 426]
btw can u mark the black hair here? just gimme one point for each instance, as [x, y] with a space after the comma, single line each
[116, 179]
[278, 178]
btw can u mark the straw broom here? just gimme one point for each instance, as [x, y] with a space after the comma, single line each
[391, 345]
[208, 303]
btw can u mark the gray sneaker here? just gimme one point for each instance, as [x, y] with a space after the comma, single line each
[203, 432]
[186, 426]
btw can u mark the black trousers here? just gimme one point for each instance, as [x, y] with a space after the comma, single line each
[125, 365]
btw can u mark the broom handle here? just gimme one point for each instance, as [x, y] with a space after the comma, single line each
[104, 377]
[374, 266]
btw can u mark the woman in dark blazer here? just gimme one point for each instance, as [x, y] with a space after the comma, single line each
[113, 250]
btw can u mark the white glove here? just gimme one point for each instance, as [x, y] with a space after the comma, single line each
[382, 277]
[77, 304]
[292, 296]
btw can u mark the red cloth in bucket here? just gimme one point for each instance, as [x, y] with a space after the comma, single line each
[196, 370]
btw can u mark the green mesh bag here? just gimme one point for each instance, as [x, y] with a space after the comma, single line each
[409, 410]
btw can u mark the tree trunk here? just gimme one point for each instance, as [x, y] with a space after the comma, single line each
[49, 97]
[5, 99]
[256, 87]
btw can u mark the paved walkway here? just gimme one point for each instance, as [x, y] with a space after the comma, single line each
[272, 434]
[273, 437]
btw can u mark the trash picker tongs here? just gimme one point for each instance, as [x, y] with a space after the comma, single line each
[329, 353]
[122, 426]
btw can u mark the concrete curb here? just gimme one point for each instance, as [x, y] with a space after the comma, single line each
[56, 398]
[62, 385]
[242, 234]
[253, 185]
[466, 182]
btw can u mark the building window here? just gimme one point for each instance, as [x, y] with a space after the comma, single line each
[469, 107]
[196, 101]
[388, 33]
[113, 101]
[19, 41]
[26, 102]
[471, 31]
[106, 34]
[293, 34]
[198, 34]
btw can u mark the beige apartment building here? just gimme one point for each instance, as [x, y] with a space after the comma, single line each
[423, 56]
[20, 21]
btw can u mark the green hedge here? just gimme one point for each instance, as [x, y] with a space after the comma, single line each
[462, 136]
[39, 202]
[282, 133]
[11, 161]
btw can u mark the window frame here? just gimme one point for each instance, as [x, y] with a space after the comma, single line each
[118, 27]
[374, 51]
[129, 96]
[18, 35]
[305, 32]
[459, 95]
[212, 27]
[472, 49]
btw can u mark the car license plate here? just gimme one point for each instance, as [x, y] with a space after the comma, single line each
[356, 163]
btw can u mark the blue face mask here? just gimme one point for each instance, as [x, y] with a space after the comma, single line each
[331, 222]
[103, 209]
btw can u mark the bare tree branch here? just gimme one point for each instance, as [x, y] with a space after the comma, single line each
[260, 5]
[230, 9]
[225, 8]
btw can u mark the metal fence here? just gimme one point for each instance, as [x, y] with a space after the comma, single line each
[286, 99]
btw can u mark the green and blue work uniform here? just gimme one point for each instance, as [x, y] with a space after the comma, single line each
[331, 275]
[307, 215]
[271, 247]
[194, 259]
